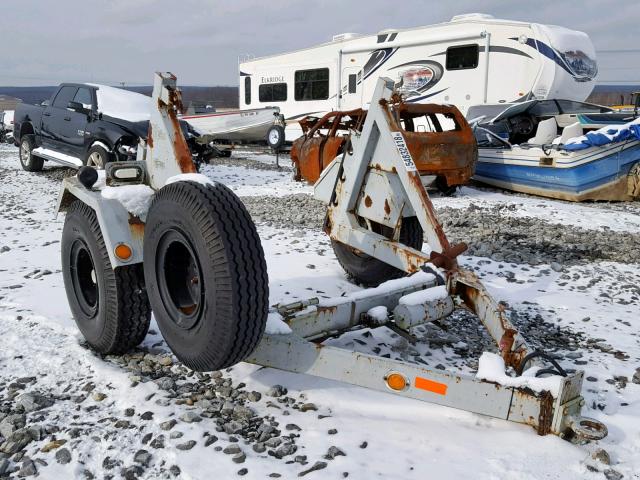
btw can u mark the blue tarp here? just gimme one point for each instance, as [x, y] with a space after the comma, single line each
[605, 135]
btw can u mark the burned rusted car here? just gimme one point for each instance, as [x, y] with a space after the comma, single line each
[439, 138]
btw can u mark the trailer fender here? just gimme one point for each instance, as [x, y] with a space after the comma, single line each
[118, 226]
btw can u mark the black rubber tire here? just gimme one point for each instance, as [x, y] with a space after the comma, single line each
[206, 274]
[443, 188]
[118, 317]
[104, 154]
[29, 161]
[369, 271]
[277, 132]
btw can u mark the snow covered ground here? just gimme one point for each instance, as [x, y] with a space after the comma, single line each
[106, 417]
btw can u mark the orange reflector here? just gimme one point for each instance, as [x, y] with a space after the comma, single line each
[123, 251]
[431, 386]
[396, 381]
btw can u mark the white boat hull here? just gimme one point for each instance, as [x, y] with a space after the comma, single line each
[235, 126]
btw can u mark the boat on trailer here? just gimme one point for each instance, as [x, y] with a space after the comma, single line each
[562, 162]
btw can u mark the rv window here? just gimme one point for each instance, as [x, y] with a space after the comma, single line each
[312, 84]
[273, 92]
[247, 90]
[353, 82]
[461, 58]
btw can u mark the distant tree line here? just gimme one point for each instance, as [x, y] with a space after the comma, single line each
[220, 97]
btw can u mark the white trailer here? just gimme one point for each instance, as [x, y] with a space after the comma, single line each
[470, 60]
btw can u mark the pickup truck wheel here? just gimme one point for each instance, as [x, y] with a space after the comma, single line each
[29, 161]
[97, 157]
[110, 306]
[275, 137]
[205, 274]
[369, 271]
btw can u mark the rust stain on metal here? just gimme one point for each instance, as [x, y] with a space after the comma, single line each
[387, 207]
[136, 226]
[326, 310]
[181, 149]
[546, 413]
[367, 201]
[150, 136]
[474, 296]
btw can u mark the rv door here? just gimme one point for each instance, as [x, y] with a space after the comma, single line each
[351, 88]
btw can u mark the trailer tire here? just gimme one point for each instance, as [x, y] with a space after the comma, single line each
[369, 271]
[444, 188]
[110, 306]
[29, 161]
[275, 137]
[206, 274]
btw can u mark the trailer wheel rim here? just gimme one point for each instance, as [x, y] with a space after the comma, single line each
[179, 278]
[274, 136]
[83, 278]
[95, 160]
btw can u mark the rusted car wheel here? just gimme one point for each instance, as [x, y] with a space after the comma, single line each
[369, 271]
[206, 274]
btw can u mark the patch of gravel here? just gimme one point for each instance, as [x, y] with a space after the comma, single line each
[239, 159]
[489, 232]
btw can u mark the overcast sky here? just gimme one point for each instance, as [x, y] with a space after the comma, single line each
[110, 41]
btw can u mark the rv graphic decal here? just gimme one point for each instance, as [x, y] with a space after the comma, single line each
[415, 78]
[583, 67]
[577, 63]
[376, 60]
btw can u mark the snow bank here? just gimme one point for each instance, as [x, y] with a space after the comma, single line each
[135, 198]
[424, 296]
[119, 103]
[276, 325]
[190, 177]
[491, 368]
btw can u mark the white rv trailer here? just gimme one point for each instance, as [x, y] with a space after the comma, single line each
[471, 60]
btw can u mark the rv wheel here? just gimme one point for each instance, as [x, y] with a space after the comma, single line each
[206, 274]
[110, 306]
[28, 160]
[370, 271]
[275, 137]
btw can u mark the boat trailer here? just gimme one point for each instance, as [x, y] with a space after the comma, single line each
[191, 253]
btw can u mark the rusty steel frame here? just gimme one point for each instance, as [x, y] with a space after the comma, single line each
[165, 155]
[379, 172]
[381, 149]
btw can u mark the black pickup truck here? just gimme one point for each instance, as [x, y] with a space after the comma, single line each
[87, 124]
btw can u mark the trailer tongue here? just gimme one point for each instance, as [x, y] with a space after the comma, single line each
[187, 249]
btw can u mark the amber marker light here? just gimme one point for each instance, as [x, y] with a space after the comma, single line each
[123, 251]
[396, 381]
